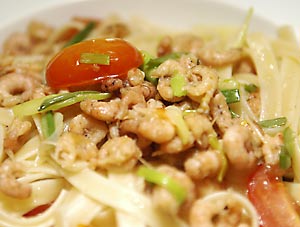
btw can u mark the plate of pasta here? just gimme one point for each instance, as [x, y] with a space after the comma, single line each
[123, 114]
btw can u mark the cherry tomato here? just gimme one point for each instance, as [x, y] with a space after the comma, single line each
[65, 70]
[271, 199]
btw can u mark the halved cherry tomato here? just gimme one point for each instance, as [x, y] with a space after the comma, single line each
[65, 70]
[271, 199]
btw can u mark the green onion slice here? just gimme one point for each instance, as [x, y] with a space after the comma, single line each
[285, 161]
[48, 124]
[178, 85]
[215, 144]
[67, 99]
[250, 88]
[231, 95]
[94, 58]
[153, 176]
[289, 140]
[273, 123]
[82, 34]
[55, 101]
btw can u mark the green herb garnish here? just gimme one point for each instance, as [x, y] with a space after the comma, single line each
[81, 35]
[94, 58]
[273, 123]
[48, 124]
[153, 176]
[231, 95]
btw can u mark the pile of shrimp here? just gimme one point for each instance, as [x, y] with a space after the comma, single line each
[134, 125]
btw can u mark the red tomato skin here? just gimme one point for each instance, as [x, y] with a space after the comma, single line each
[65, 71]
[36, 211]
[271, 199]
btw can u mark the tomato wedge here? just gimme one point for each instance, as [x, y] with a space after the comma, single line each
[65, 70]
[271, 199]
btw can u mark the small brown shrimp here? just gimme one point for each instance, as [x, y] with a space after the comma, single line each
[104, 111]
[200, 126]
[175, 146]
[39, 31]
[215, 58]
[238, 147]
[179, 43]
[203, 164]
[74, 151]
[219, 111]
[271, 148]
[156, 129]
[165, 90]
[118, 153]
[9, 185]
[17, 44]
[111, 84]
[223, 208]
[16, 133]
[202, 84]
[16, 88]
[165, 201]
[136, 95]
[135, 77]
[91, 128]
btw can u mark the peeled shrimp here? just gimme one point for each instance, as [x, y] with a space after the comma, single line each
[213, 57]
[9, 172]
[16, 88]
[16, 134]
[91, 128]
[104, 111]
[224, 209]
[202, 84]
[202, 164]
[220, 112]
[238, 147]
[119, 153]
[164, 200]
[74, 151]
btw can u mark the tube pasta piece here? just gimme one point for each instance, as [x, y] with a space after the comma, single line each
[268, 76]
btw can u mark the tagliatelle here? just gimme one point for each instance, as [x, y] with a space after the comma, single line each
[85, 174]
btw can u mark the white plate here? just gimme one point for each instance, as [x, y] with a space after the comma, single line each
[175, 13]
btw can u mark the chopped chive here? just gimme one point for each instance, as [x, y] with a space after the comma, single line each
[82, 34]
[67, 99]
[30, 107]
[289, 140]
[285, 161]
[175, 115]
[215, 144]
[177, 85]
[273, 123]
[250, 88]
[153, 176]
[48, 125]
[231, 95]
[94, 58]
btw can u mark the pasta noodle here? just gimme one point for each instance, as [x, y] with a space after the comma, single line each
[179, 138]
